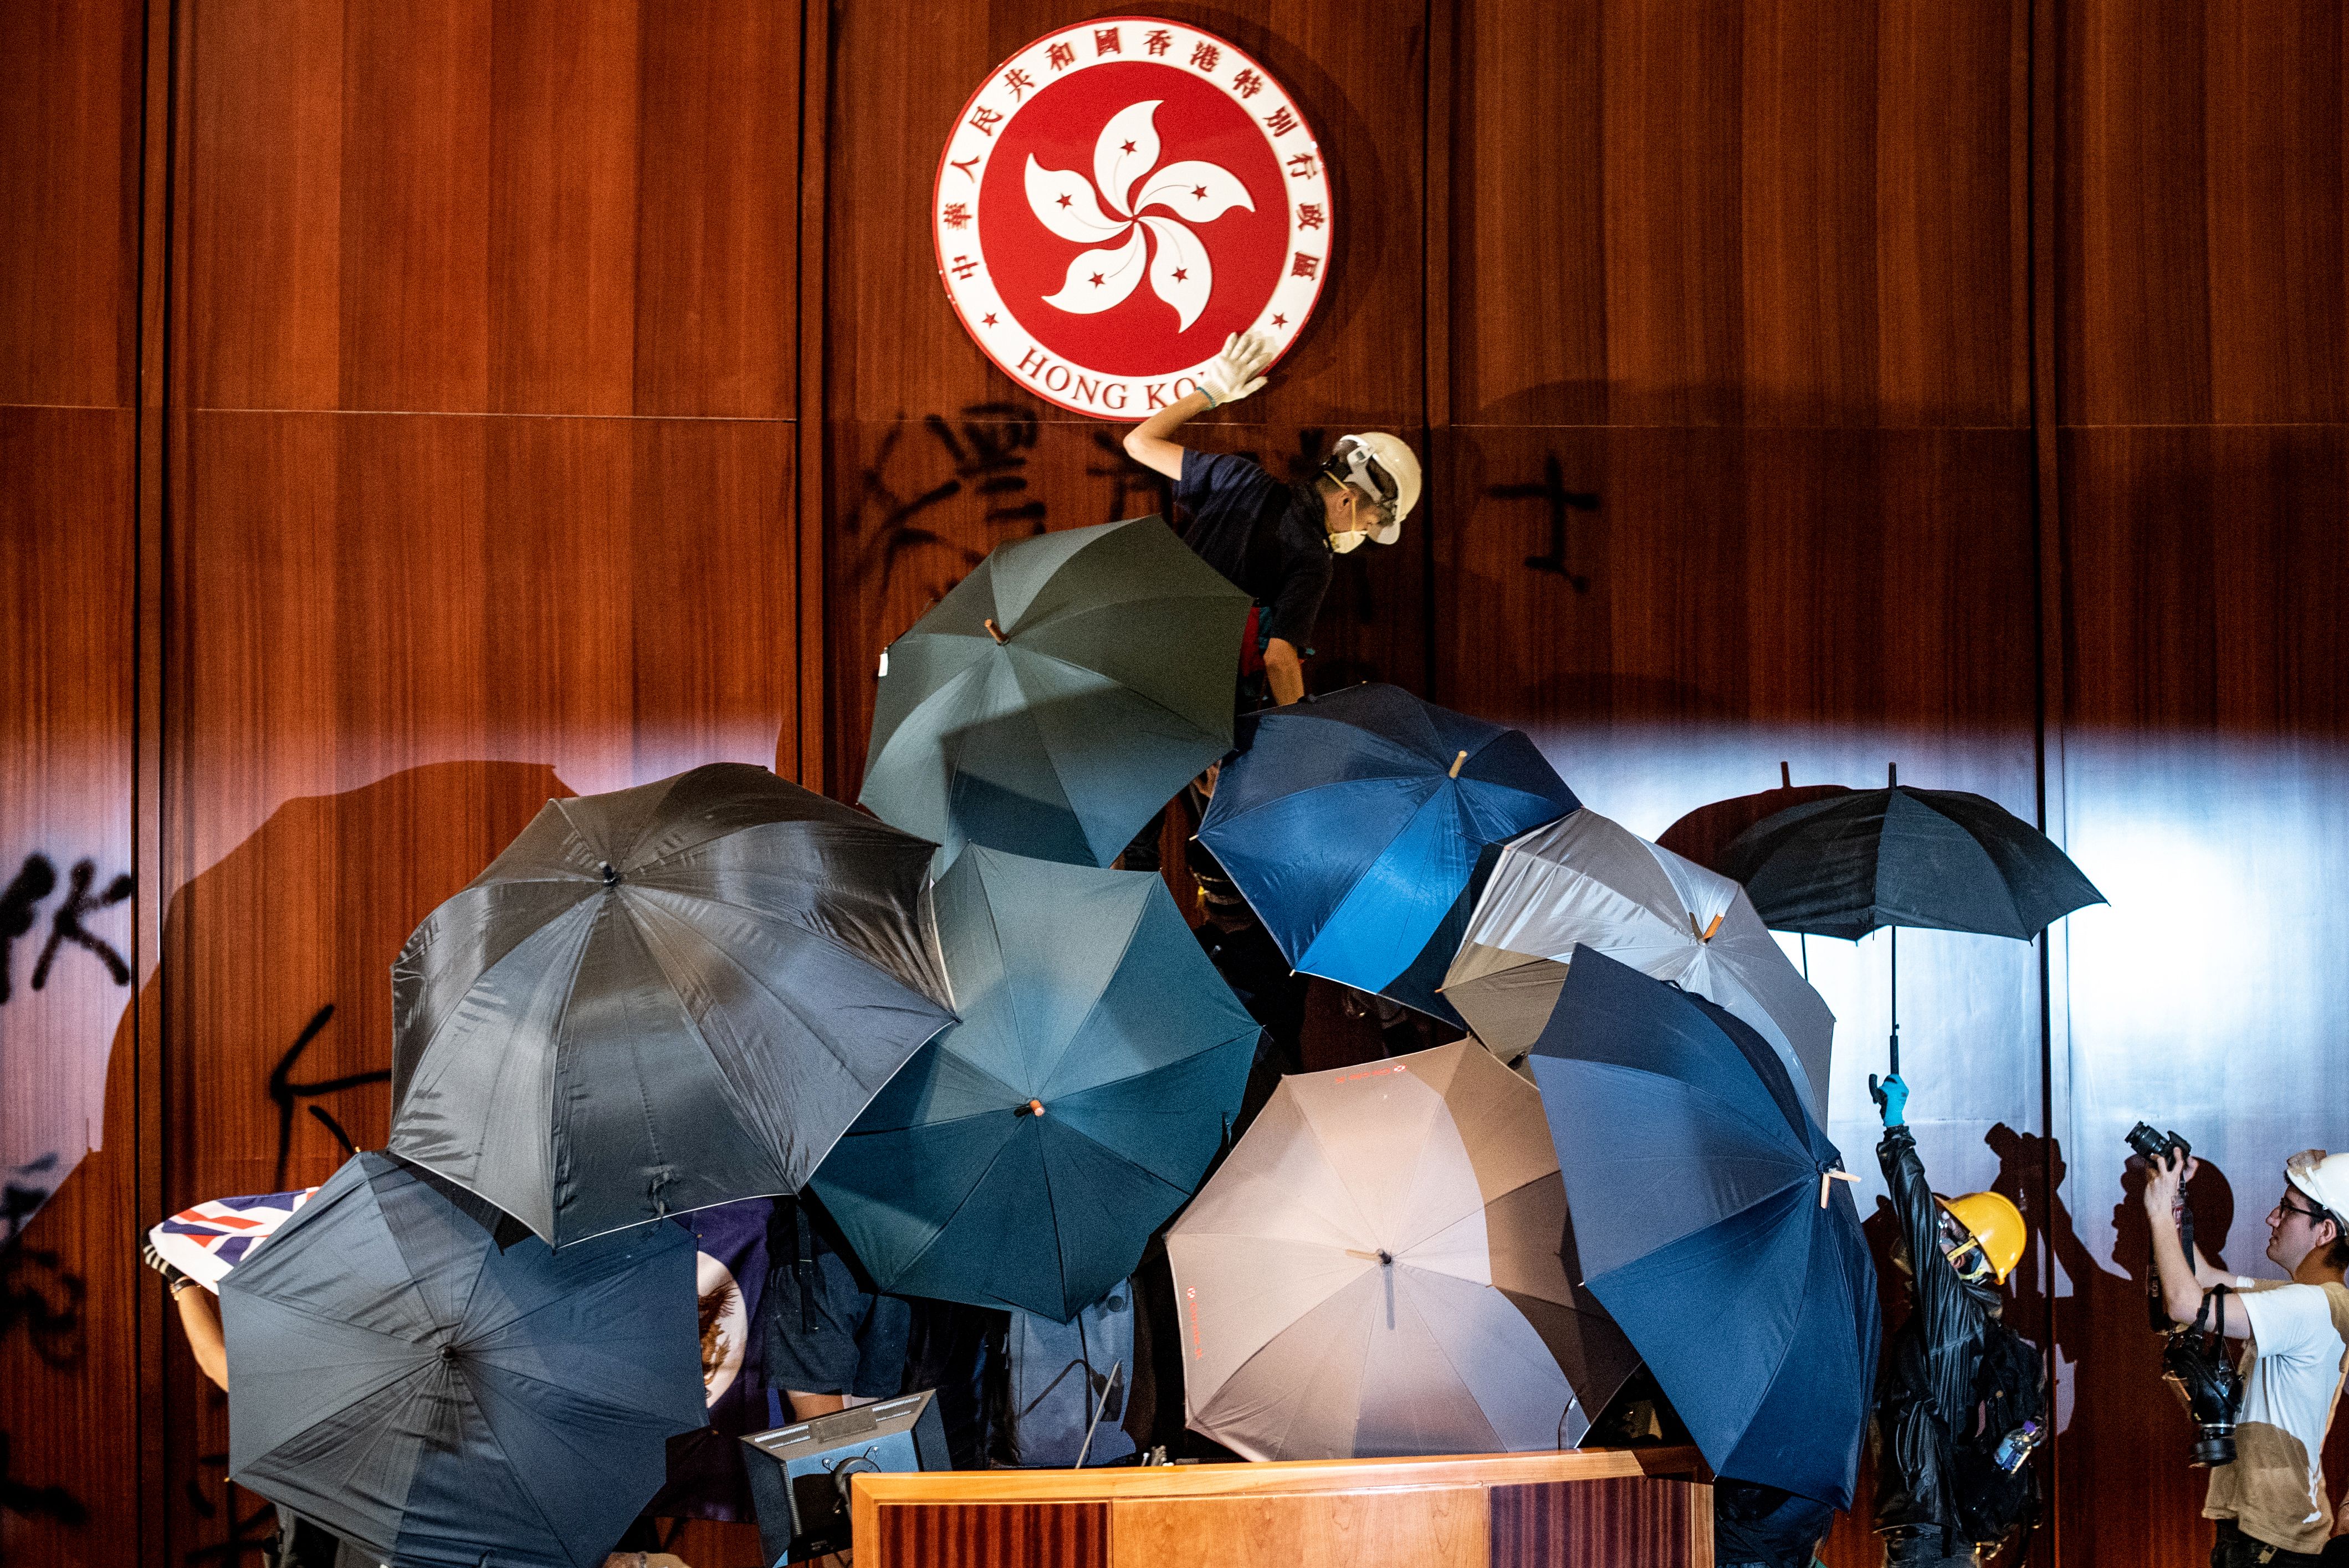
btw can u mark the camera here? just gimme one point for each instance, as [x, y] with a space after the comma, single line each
[2193, 1356]
[2155, 1147]
[2194, 1363]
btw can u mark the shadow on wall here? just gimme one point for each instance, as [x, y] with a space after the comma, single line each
[273, 998]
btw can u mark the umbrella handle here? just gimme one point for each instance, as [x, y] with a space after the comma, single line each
[1827, 1176]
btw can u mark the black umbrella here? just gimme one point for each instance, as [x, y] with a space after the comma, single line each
[396, 1378]
[663, 998]
[1942, 860]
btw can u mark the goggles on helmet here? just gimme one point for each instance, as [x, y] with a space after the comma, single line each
[1351, 465]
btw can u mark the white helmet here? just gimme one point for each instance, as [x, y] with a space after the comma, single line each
[1380, 468]
[2322, 1178]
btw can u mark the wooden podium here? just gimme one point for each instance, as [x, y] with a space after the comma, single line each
[1605, 1508]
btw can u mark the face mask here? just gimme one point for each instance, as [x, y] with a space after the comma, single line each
[1350, 539]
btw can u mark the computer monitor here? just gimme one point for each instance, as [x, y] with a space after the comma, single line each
[800, 1473]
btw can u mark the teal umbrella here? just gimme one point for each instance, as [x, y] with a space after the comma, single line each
[1024, 1157]
[1057, 697]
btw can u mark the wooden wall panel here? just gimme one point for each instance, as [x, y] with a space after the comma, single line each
[68, 1380]
[1357, 72]
[1776, 214]
[2201, 264]
[70, 147]
[69, 98]
[516, 206]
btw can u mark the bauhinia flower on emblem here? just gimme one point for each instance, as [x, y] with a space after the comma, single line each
[1128, 179]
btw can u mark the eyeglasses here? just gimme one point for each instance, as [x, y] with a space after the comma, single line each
[2313, 1216]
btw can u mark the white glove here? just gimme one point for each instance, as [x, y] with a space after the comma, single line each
[1235, 373]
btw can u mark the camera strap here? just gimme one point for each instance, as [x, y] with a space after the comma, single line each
[2216, 1317]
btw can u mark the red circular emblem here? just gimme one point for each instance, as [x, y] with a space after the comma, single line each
[1120, 197]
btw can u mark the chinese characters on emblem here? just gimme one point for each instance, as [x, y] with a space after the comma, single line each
[1060, 57]
[1106, 42]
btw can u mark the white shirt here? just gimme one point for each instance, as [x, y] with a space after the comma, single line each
[2292, 1373]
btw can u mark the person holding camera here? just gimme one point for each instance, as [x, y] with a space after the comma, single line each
[2271, 1502]
[1960, 1408]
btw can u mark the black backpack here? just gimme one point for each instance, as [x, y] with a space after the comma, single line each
[1993, 1502]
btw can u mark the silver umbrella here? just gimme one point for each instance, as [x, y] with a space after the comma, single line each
[1584, 879]
[1379, 1268]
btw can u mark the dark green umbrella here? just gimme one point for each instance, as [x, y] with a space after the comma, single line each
[662, 998]
[397, 1378]
[1024, 1157]
[1057, 696]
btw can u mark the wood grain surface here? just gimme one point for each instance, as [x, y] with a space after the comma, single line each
[1590, 1524]
[997, 1535]
[1443, 1528]
[411, 411]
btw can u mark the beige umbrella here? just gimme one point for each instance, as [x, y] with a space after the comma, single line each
[1584, 879]
[1378, 1269]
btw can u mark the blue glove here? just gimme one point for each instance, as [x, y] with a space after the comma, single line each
[1891, 1098]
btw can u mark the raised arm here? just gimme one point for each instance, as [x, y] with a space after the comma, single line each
[1235, 374]
[2182, 1283]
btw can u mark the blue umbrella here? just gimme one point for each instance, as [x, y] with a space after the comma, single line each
[1360, 827]
[398, 1379]
[1714, 1224]
[1023, 1158]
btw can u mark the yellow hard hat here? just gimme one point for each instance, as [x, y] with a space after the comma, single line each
[1994, 1226]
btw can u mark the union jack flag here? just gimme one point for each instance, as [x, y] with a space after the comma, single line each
[207, 1241]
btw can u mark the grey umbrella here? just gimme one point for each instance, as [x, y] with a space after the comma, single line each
[662, 998]
[1586, 881]
[395, 1377]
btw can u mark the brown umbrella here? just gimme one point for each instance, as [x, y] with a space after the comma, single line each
[1381, 1268]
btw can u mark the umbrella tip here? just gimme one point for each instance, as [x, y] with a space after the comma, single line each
[1456, 765]
[1386, 1258]
[1786, 777]
[1034, 1107]
[611, 874]
[993, 630]
[1892, 774]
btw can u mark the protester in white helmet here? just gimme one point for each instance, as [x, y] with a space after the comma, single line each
[2271, 1505]
[1275, 540]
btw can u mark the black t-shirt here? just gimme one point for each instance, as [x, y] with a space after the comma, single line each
[1265, 537]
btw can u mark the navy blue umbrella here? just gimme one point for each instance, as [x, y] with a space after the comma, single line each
[398, 1379]
[1714, 1222]
[1361, 825]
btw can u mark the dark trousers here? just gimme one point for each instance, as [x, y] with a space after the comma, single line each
[2233, 1549]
